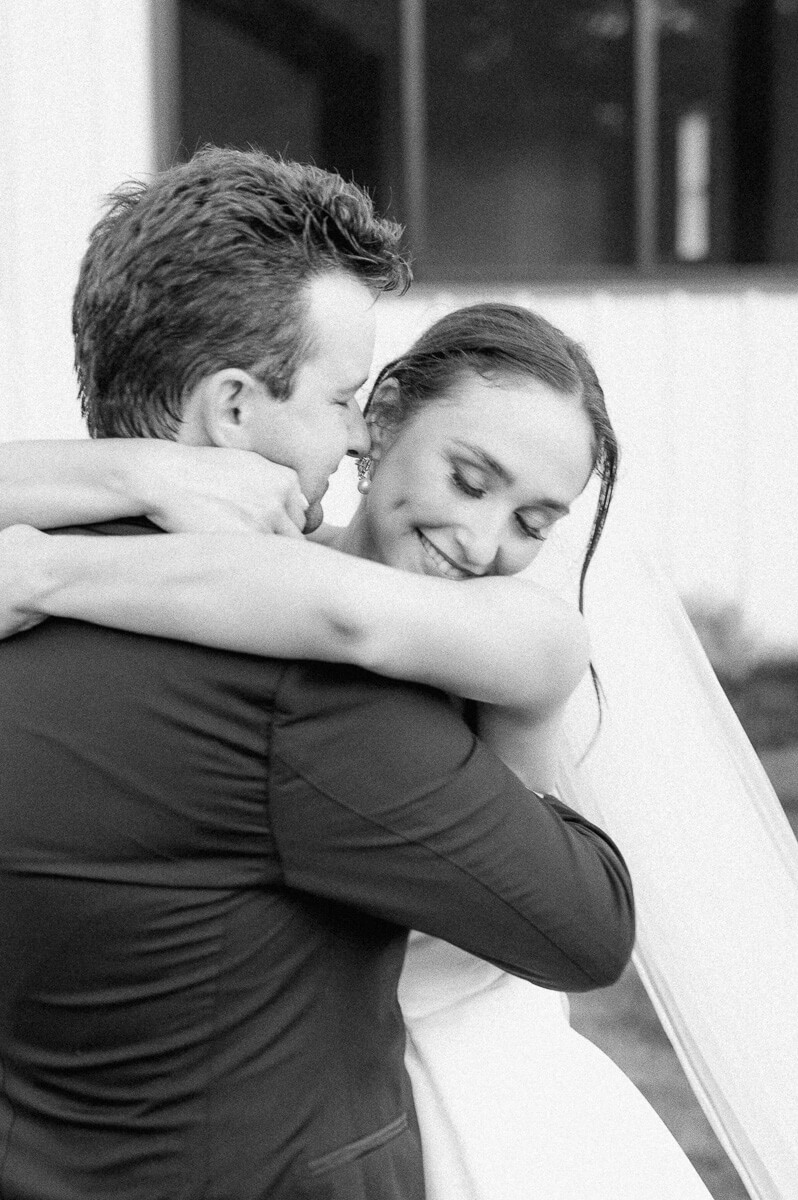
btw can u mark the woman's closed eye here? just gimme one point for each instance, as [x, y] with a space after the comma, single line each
[468, 482]
[532, 531]
[473, 485]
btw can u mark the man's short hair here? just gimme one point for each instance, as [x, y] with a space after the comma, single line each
[205, 267]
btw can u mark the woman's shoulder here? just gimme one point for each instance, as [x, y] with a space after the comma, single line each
[545, 644]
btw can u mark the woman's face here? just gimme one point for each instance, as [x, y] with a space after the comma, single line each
[473, 484]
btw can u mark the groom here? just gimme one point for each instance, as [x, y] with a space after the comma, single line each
[209, 862]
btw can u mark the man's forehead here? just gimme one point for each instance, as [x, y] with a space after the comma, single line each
[340, 343]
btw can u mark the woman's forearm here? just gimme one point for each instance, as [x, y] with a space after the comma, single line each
[180, 487]
[271, 596]
[502, 641]
[250, 593]
[54, 483]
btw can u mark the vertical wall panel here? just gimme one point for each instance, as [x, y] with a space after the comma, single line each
[770, 464]
[75, 120]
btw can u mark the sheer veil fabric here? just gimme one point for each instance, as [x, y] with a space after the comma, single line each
[674, 780]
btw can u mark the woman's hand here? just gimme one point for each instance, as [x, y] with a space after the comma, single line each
[184, 489]
[205, 489]
[23, 555]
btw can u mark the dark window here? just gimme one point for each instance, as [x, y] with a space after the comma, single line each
[529, 137]
[312, 81]
[728, 146]
[519, 139]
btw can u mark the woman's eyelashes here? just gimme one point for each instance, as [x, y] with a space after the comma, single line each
[472, 485]
[531, 531]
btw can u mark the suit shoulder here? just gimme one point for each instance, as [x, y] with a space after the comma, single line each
[318, 687]
[325, 713]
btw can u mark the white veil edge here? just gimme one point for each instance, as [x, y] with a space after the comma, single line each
[674, 780]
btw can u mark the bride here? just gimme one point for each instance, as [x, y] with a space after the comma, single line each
[483, 434]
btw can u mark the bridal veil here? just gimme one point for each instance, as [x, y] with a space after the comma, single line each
[674, 780]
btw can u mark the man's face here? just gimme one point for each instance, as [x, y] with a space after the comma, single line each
[320, 421]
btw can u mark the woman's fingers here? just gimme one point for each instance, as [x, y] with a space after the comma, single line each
[285, 526]
[296, 507]
[212, 489]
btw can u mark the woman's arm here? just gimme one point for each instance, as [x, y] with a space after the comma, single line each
[498, 640]
[181, 488]
[529, 742]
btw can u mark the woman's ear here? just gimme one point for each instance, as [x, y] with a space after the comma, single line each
[382, 416]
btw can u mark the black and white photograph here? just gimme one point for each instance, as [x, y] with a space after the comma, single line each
[399, 600]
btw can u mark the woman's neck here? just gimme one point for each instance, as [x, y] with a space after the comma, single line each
[347, 539]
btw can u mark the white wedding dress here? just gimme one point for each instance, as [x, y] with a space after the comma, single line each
[513, 1104]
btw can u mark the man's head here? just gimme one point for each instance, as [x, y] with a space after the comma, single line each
[228, 302]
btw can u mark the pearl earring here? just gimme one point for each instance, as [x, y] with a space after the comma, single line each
[364, 467]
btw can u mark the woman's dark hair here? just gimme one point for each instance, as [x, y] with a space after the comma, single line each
[496, 340]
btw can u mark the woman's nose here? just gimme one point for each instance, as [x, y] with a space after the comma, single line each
[480, 543]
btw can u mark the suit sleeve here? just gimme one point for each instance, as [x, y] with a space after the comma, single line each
[380, 797]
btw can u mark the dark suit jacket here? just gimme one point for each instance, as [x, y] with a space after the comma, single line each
[208, 865]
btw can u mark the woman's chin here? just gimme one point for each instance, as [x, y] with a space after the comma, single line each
[406, 555]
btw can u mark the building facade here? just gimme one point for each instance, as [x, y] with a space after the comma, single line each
[629, 167]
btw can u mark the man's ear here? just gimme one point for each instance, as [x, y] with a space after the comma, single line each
[382, 417]
[227, 403]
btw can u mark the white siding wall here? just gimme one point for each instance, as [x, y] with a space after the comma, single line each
[75, 120]
[702, 385]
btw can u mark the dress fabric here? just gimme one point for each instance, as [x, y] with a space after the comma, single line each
[513, 1104]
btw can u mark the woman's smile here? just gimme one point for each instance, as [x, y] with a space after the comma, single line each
[441, 563]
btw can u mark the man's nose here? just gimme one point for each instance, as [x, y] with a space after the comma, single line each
[359, 440]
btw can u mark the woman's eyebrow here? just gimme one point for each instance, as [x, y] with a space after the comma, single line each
[490, 464]
[486, 461]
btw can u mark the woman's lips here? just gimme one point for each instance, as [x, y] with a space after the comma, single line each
[441, 562]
